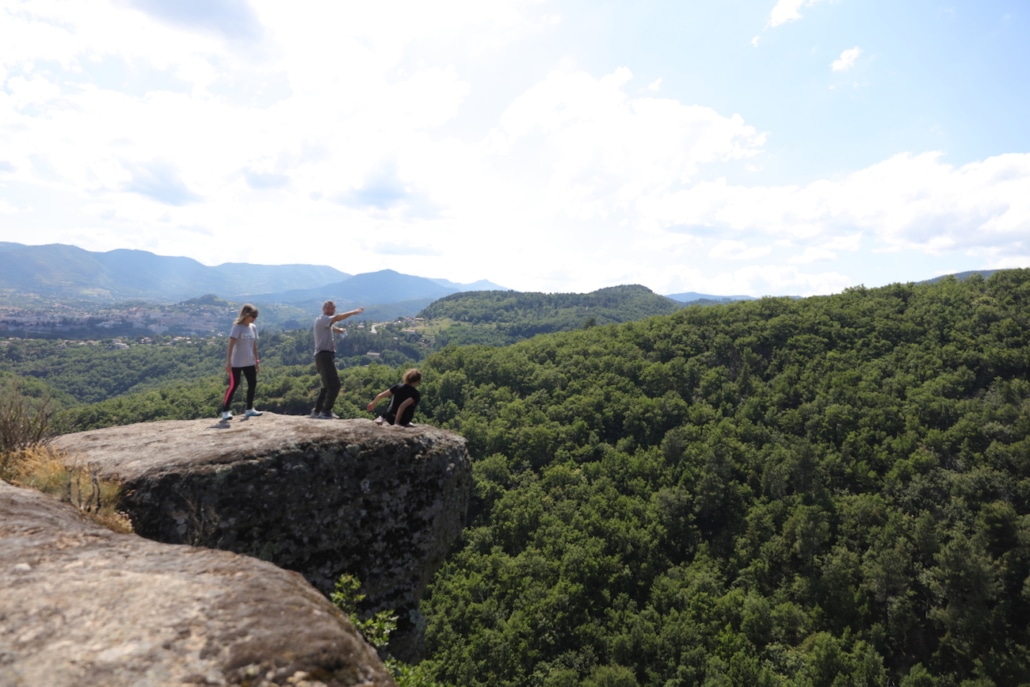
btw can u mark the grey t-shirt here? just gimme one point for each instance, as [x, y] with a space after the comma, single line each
[324, 340]
[246, 339]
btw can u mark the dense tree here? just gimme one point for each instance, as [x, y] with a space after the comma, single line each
[823, 491]
[499, 318]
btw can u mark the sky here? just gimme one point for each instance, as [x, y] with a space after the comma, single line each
[738, 147]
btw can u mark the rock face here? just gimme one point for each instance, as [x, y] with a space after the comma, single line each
[320, 497]
[81, 605]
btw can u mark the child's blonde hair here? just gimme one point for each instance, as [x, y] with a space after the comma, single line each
[412, 376]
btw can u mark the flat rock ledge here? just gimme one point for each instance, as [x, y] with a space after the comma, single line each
[319, 497]
[81, 605]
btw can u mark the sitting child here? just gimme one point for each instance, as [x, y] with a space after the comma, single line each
[403, 399]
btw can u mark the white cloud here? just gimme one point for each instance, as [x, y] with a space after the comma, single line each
[600, 150]
[6, 208]
[738, 250]
[338, 134]
[788, 11]
[813, 254]
[847, 59]
[911, 203]
[788, 279]
[232, 18]
[757, 280]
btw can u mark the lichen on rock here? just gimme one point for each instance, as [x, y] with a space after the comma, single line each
[82, 605]
[322, 498]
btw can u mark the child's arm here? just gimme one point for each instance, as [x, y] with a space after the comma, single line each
[371, 406]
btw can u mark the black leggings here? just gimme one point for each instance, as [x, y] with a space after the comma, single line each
[250, 372]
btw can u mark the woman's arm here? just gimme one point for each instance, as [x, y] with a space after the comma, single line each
[228, 354]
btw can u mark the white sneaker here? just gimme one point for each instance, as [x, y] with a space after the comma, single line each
[226, 415]
[252, 413]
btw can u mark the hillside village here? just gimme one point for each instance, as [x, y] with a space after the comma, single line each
[62, 319]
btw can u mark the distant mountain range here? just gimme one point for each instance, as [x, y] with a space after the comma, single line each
[961, 276]
[693, 296]
[63, 271]
[58, 271]
[68, 272]
[385, 286]
[72, 273]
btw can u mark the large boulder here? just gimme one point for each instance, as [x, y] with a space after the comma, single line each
[81, 605]
[321, 497]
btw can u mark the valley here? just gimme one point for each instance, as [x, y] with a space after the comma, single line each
[821, 491]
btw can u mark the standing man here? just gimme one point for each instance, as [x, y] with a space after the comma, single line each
[325, 359]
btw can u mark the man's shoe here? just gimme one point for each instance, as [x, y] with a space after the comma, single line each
[252, 413]
[328, 416]
[226, 416]
[379, 420]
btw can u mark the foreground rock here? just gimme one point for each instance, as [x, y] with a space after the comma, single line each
[321, 497]
[81, 605]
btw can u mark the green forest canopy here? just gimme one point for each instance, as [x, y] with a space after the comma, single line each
[827, 491]
[504, 317]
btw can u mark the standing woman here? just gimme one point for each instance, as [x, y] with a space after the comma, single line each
[242, 357]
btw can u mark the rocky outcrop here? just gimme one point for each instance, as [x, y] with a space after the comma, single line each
[320, 497]
[81, 605]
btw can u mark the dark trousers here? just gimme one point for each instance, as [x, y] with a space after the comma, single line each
[250, 372]
[325, 363]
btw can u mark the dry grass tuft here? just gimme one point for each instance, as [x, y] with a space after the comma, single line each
[37, 467]
[48, 470]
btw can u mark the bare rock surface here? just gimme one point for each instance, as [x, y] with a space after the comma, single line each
[81, 605]
[320, 497]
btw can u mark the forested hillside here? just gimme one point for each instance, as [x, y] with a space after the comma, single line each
[831, 491]
[827, 491]
[499, 318]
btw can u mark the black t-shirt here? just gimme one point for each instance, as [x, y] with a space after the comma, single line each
[399, 394]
